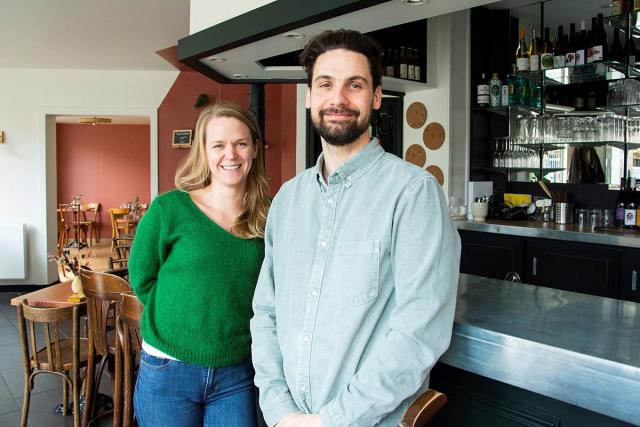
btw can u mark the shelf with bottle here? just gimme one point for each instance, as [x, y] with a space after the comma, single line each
[623, 21]
[583, 73]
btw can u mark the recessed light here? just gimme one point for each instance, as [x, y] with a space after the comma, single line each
[415, 2]
[294, 36]
[217, 59]
[240, 76]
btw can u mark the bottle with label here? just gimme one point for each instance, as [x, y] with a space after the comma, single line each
[416, 65]
[630, 205]
[595, 49]
[616, 53]
[396, 64]
[411, 67]
[570, 53]
[495, 88]
[534, 53]
[512, 83]
[559, 59]
[522, 54]
[483, 92]
[389, 63]
[620, 205]
[546, 56]
[504, 95]
[581, 41]
[403, 62]
[534, 94]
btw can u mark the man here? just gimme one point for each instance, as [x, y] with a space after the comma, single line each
[356, 296]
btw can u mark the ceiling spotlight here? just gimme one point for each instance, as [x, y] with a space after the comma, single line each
[294, 36]
[415, 2]
[217, 59]
[240, 76]
[94, 120]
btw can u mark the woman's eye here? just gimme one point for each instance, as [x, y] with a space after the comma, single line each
[241, 144]
[216, 146]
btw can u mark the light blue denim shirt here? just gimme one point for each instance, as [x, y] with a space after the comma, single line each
[356, 296]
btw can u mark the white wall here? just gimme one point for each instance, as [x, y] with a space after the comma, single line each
[207, 13]
[29, 101]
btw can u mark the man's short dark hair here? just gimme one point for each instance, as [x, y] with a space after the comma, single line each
[343, 39]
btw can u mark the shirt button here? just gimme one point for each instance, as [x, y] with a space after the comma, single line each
[303, 388]
[330, 201]
[306, 338]
[323, 243]
[314, 293]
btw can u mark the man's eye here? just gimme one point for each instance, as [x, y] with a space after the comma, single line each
[356, 86]
[325, 85]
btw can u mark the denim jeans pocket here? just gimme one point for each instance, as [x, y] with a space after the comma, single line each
[153, 362]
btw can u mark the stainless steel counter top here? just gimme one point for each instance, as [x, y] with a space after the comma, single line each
[550, 230]
[577, 348]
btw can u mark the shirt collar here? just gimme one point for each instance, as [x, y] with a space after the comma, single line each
[353, 168]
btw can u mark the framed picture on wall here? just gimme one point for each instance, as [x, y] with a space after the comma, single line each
[181, 138]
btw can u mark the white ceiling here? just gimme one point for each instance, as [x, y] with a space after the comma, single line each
[90, 34]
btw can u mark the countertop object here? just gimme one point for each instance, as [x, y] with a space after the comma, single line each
[580, 349]
[548, 230]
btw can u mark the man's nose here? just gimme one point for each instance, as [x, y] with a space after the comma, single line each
[338, 96]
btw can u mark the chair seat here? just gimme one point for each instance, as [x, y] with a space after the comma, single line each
[66, 355]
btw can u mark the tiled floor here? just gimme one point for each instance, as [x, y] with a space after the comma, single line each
[47, 392]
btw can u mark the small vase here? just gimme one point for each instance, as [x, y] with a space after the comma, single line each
[76, 285]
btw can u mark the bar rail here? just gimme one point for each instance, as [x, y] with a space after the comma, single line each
[580, 349]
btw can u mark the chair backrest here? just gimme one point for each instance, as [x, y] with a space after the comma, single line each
[90, 211]
[423, 409]
[101, 291]
[114, 214]
[120, 272]
[49, 320]
[129, 314]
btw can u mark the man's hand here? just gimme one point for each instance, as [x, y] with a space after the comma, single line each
[298, 419]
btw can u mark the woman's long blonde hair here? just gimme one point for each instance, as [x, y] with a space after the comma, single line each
[193, 172]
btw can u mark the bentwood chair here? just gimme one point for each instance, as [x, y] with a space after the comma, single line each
[89, 221]
[63, 230]
[129, 312]
[122, 248]
[101, 290]
[423, 409]
[117, 230]
[59, 356]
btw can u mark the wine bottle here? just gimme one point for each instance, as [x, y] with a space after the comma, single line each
[546, 56]
[616, 54]
[630, 51]
[389, 64]
[411, 67]
[603, 38]
[595, 49]
[559, 60]
[570, 54]
[620, 205]
[483, 91]
[416, 62]
[630, 205]
[403, 63]
[534, 54]
[522, 54]
[581, 41]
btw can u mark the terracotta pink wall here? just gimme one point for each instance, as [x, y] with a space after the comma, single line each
[105, 163]
[177, 112]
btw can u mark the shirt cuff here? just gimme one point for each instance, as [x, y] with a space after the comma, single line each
[277, 411]
[329, 415]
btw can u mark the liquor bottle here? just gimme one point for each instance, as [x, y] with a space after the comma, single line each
[403, 62]
[559, 60]
[534, 94]
[411, 67]
[512, 83]
[616, 7]
[630, 51]
[581, 41]
[416, 63]
[534, 54]
[570, 54]
[389, 64]
[616, 54]
[495, 87]
[546, 56]
[630, 205]
[620, 205]
[522, 54]
[483, 91]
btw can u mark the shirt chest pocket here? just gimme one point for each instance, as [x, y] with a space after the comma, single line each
[356, 271]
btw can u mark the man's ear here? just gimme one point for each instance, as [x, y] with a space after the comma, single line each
[377, 98]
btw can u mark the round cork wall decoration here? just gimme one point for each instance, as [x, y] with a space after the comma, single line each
[416, 154]
[433, 136]
[437, 173]
[416, 115]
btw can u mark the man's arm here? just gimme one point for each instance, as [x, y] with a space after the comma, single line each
[276, 401]
[425, 254]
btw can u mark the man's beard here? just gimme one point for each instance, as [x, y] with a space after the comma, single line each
[343, 133]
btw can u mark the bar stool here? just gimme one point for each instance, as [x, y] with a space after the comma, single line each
[129, 312]
[101, 291]
[423, 409]
[62, 357]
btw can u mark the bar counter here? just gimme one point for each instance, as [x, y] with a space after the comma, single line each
[580, 349]
[551, 230]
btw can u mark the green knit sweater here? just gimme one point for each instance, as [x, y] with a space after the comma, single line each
[196, 282]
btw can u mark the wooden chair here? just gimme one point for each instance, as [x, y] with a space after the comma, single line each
[63, 230]
[89, 221]
[129, 310]
[117, 230]
[122, 249]
[101, 291]
[62, 357]
[423, 409]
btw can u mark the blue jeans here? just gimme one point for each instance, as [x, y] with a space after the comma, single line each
[172, 393]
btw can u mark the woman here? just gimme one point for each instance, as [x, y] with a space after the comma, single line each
[194, 264]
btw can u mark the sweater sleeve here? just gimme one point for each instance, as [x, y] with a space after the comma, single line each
[145, 258]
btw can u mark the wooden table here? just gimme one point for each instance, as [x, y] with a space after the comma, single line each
[53, 296]
[129, 224]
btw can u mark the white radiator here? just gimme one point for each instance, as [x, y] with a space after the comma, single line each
[13, 251]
